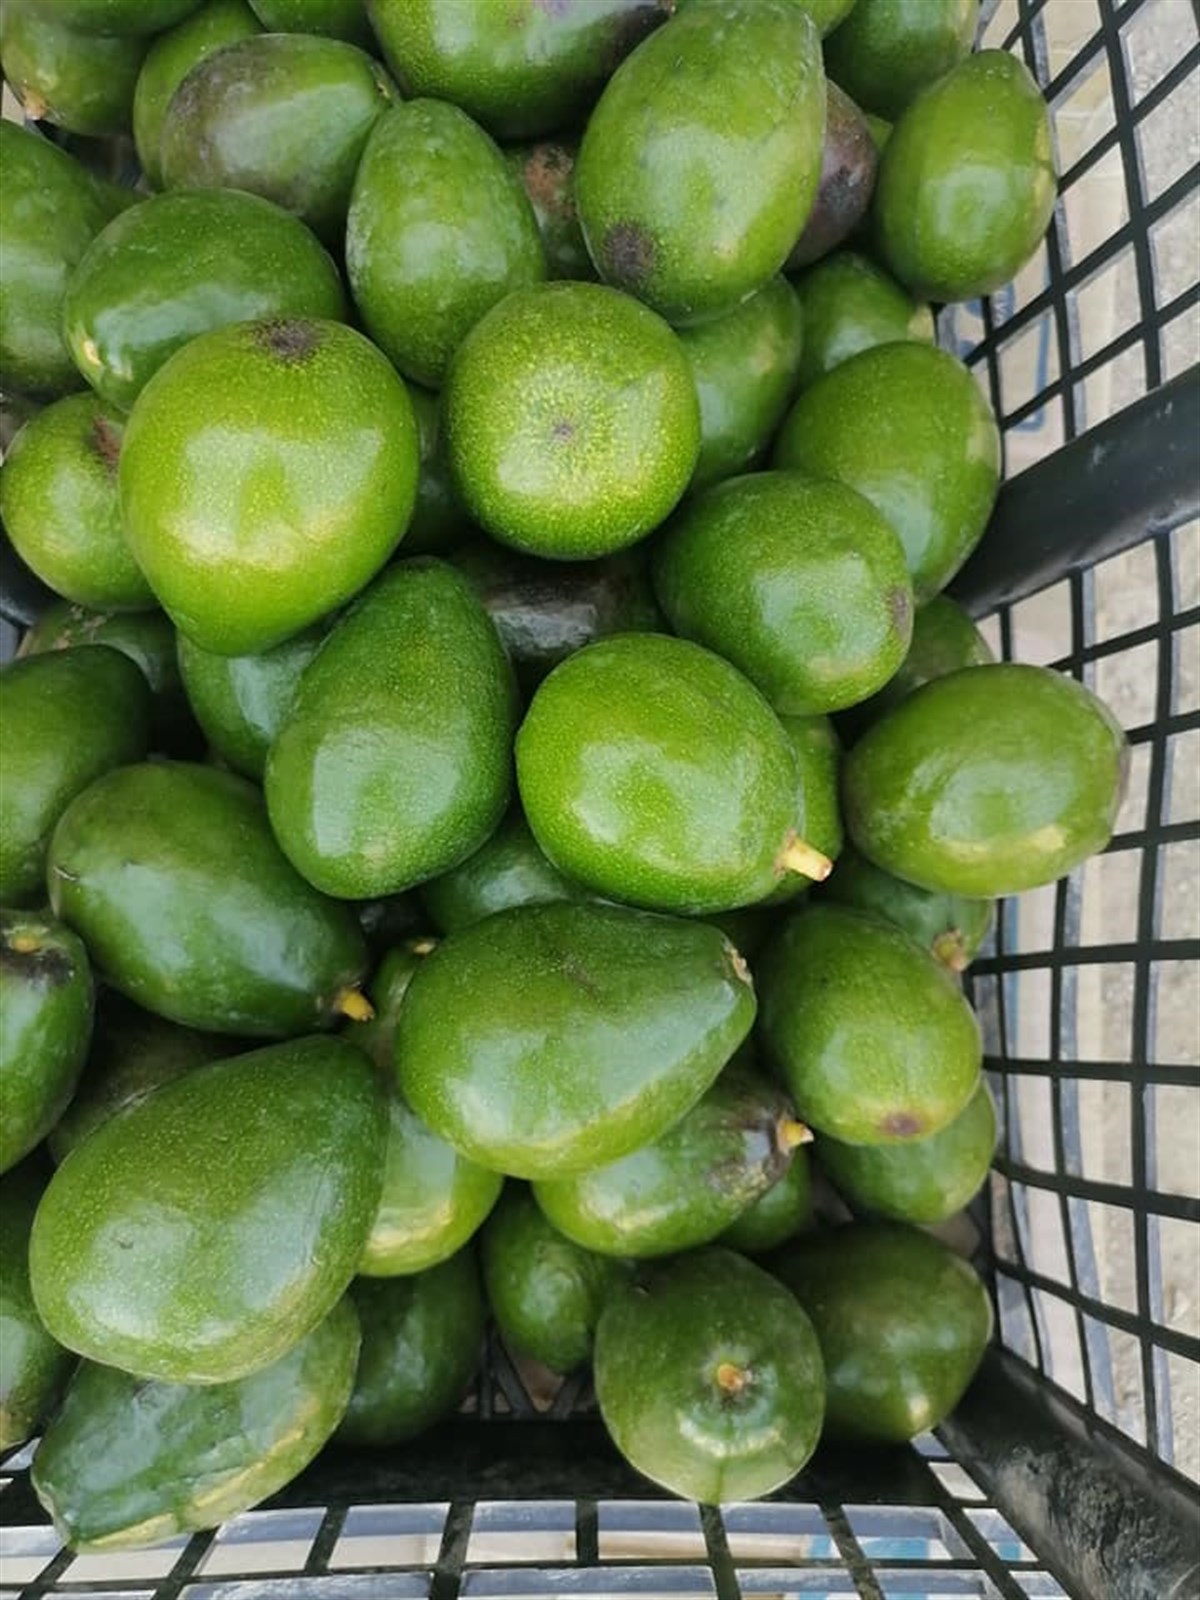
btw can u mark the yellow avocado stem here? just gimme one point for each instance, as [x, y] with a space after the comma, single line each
[354, 1004]
[792, 1134]
[806, 859]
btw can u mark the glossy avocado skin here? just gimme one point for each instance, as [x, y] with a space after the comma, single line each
[127, 1463]
[215, 929]
[716, 93]
[33, 1367]
[950, 926]
[886, 51]
[548, 1039]
[903, 1324]
[660, 1345]
[848, 170]
[988, 781]
[334, 19]
[944, 639]
[547, 173]
[81, 82]
[272, 1160]
[818, 754]
[871, 1034]
[507, 870]
[114, 17]
[777, 1215]
[241, 702]
[849, 304]
[439, 523]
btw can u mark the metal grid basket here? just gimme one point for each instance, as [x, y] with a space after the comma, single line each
[1066, 1470]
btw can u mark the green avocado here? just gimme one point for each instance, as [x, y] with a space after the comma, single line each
[201, 1234]
[127, 1463]
[908, 427]
[988, 781]
[117, 16]
[394, 761]
[549, 1039]
[685, 1187]
[283, 115]
[545, 1293]
[33, 1368]
[745, 365]
[950, 926]
[967, 185]
[547, 174]
[46, 1000]
[439, 522]
[81, 82]
[818, 818]
[777, 1215]
[725, 101]
[58, 499]
[170, 873]
[872, 1035]
[827, 14]
[944, 639]
[65, 718]
[241, 701]
[335, 19]
[179, 265]
[507, 870]
[709, 1378]
[849, 304]
[903, 1324]
[520, 70]
[439, 230]
[421, 1343]
[886, 51]
[169, 60]
[599, 431]
[926, 1180]
[848, 168]
[799, 582]
[267, 507]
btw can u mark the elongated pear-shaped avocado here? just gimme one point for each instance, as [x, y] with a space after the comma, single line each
[884, 52]
[33, 1366]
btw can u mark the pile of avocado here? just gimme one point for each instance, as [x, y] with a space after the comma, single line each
[500, 786]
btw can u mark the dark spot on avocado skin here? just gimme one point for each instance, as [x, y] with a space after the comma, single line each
[45, 965]
[628, 252]
[290, 340]
[901, 1125]
[900, 604]
[106, 442]
[629, 29]
[562, 430]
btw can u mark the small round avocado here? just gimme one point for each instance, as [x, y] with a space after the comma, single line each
[886, 51]
[241, 702]
[547, 174]
[82, 82]
[33, 1367]
[849, 304]
[508, 870]
[776, 1216]
[848, 167]
[950, 926]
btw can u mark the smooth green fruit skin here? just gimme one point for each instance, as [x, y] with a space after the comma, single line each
[65, 718]
[818, 817]
[545, 1293]
[203, 1233]
[126, 1463]
[549, 1039]
[871, 1035]
[800, 583]
[394, 762]
[46, 1000]
[439, 230]
[967, 184]
[547, 174]
[81, 82]
[848, 169]
[117, 16]
[903, 1324]
[950, 926]
[659, 1346]
[725, 100]
[58, 499]
[283, 115]
[241, 702]
[886, 51]
[33, 1368]
[653, 771]
[908, 427]
[925, 1181]
[212, 928]
[944, 639]
[276, 502]
[439, 522]
[335, 19]
[519, 70]
[599, 432]
[421, 1346]
[745, 365]
[169, 60]
[180, 265]
[508, 870]
[987, 781]
[849, 304]
[777, 1215]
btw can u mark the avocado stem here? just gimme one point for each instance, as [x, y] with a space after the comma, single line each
[792, 1133]
[354, 1004]
[948, 949]
[806, 859]
[731, 1377]
[24, 943]
[423, 947]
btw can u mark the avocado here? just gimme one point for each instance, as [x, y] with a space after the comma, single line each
[745, 366]
[547, 174]
[521, 70]
[943, 639]
[827, 14]
[599, 432]
[849, 164]
[58, 499]
[723, 101]
[394, 762]
[283, 115]
[967, 184]
[849, 304]
[168, 61]
[241, 701]
[212, 928]
[422, 1338]
[800, 583]
[507, 870]
[685, 1187]
[439, 523]
[871, 1035]
[652, 771]
[886, 51]
[439, 230]
[201, 1234]
[33, 1368]
[81, 82]
[950, 926]
[335, 19]
[179, 265]
[902, 1321]
[66, 718]
[709, 1378]
[925, 1180]
[818, 756]
[908, 427]
[777, 1215]
[118, 16]
[545, 1293]
[127, 1463]
[263, 510]
[549, 1039]
[988, 781]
